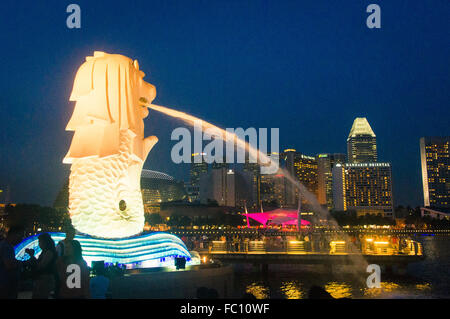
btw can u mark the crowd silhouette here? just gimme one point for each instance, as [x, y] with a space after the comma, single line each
[53, 272]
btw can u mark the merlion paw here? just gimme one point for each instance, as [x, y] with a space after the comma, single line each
[149, 142]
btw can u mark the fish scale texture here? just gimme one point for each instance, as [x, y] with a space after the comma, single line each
[97, 185]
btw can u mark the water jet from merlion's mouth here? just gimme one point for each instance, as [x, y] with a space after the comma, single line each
[356, 259]
[253, 152]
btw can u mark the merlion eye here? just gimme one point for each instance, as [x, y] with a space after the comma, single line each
[122, 205]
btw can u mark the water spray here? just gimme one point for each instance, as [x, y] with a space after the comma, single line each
[357, 259]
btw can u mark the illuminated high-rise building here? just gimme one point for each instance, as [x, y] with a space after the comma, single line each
[325, 164]
[304, 169]
[363, 187]
[199, 166]
[263, 172]
[273, 188]
[361, 142]
[434, 154]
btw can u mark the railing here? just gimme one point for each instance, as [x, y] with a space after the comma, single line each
[296, 246]
[256, 246]
[218, 246]
[335, 247]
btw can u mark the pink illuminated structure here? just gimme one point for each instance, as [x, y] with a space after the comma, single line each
[283, 217]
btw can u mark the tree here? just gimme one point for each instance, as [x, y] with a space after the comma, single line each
[179, 220]
[153, 219]
[32, 217]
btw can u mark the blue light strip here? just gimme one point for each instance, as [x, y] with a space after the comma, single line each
[131, 250]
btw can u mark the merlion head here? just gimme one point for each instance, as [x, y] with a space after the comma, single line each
[110, 95]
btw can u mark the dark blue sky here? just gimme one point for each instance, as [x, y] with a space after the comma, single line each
[307, 67]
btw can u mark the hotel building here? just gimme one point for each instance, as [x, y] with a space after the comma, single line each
[218, 185]
[435, 160]
[363, 187]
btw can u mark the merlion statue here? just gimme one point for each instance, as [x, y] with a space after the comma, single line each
[108, 148]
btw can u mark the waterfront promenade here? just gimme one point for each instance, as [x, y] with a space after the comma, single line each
[328, 248]
[384, 251]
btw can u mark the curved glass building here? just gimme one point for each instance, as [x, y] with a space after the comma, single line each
[158, 187]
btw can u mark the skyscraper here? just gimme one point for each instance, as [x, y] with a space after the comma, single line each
[434, 155]
[218, 185]
[304, 169]
[325, 164]
[288, 157]
[253, 171]
[199, 166]
[361, 142]
[363, 187]
[273, 188]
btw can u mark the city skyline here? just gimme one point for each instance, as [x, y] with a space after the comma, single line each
[306, 68]
[186, 178]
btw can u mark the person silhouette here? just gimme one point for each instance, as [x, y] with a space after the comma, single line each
[73, 256]
[100, 283]
[9, 266]
[44, 267]
[70, 235]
